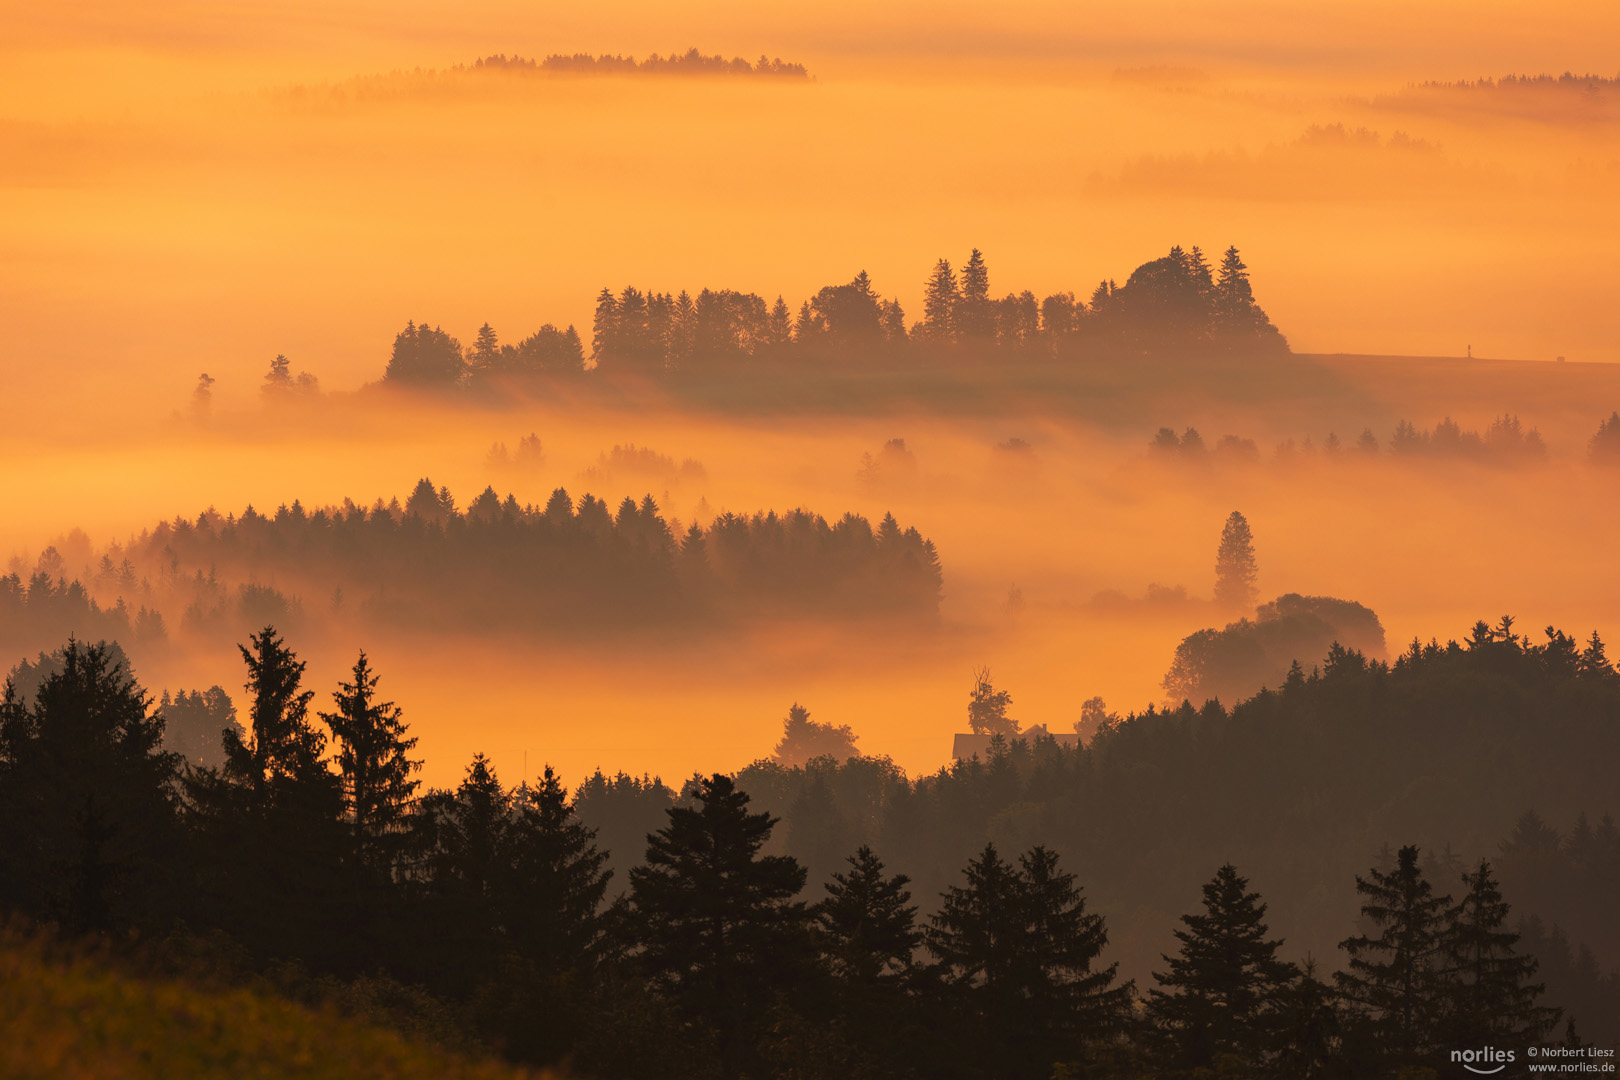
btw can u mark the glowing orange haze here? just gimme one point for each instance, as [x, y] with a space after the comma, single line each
[171, 203]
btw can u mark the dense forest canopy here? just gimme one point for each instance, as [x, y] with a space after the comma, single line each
[1003, 917]
[1178, 304]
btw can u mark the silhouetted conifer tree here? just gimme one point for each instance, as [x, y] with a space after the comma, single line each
[272, 816]
[717, 923]
[1223, 993]
[1395, 985]
[940, 296]
[867, 928]
[1235, 566]
[1020, 950]
[1489, 995]
[88, 833]
[974, 319]
[541, 997]
[372, 757]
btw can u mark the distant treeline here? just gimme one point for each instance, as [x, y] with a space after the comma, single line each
[44, 608]
[1568, 81]
[557, 568]
[1505, 441]
[949, 934]
[1177, 304]
[691, 62]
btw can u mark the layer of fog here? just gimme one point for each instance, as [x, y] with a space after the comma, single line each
[1028, 538]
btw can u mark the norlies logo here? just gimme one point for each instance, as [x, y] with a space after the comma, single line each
[1484, 1062]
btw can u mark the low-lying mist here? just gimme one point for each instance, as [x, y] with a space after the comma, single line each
[1075, 557]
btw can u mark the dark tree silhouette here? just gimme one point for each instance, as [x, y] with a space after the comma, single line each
[549, 906]
[720, 931]
[940, 298]
[559, 880]
[372, 757]
[87, 800]
[1490, 996]
[1395, 982]
[974, 318]
[1223, 995]
[1019, 947]
[867, 924]
[271, 818]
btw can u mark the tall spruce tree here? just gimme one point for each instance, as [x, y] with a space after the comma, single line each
[465, 839]
[975, 316]
[1489, 993]
[373, 759]
[1019, 949]
[1235, 565]
[1222, 995]
[718, 926]
[867, 928]
[940, 297]
[88, 829]
[540, 996]
[271, 818]
[558, 880]
[867, 924]
[1395, 986]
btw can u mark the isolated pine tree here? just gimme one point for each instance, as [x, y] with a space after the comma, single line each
[1395, 986]
[1235, 566]
[1223, 992]
[372, 756]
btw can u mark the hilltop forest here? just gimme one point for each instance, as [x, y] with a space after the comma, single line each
[1175, 304]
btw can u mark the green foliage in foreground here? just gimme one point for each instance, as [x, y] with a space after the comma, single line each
[67, 1018]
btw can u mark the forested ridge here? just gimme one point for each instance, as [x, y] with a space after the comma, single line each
[495, 564]
[1175, 305]
[1000, 918]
